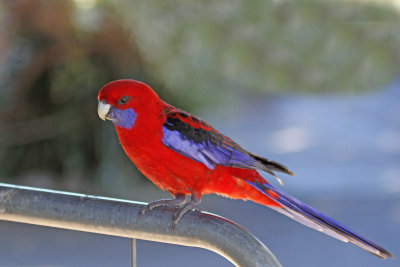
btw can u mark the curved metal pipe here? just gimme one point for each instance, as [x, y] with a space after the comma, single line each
[120, 218]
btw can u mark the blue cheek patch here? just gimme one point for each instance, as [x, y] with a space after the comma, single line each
[123, 118]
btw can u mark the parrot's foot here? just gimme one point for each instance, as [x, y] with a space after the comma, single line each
[179, 200]
[194, 201]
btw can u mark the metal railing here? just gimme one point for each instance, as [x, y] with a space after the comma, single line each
[120, 218]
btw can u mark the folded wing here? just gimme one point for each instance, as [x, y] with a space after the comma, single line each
[195, 139]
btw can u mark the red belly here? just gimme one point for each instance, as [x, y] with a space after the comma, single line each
[176, 173]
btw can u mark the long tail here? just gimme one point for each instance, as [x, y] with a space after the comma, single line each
[310, 217]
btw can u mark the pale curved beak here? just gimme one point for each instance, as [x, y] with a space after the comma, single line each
[103, 109]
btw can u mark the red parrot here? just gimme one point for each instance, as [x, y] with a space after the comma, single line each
[184, 155]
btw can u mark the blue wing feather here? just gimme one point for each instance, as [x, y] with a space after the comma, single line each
[206, 145]
[204, 150]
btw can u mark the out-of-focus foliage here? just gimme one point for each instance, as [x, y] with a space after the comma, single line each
[311, 46]
[51, 71]
[55, 55]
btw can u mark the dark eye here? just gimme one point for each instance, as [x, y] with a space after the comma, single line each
[123, 100]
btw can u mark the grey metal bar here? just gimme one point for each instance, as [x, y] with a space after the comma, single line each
[133, 252]
[120, 218]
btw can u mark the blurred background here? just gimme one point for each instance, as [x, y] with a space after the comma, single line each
[314, 85]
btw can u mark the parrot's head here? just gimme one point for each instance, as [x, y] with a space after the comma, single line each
[122, 101]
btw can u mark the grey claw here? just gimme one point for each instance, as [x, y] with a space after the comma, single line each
[175, 220]
[143, 211]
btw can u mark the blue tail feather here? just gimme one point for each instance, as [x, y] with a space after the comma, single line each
[310, 217]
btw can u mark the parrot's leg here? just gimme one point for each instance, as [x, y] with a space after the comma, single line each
[192, 204]
[179, 200]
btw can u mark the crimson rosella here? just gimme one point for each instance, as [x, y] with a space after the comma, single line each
[184, 155]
